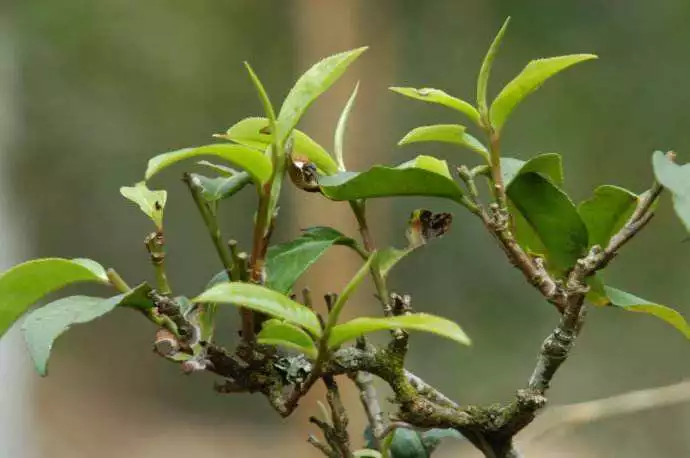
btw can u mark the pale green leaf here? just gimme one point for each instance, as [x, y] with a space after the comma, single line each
[253, 161]
[439, 97]
[218, 188]
[26, 283]
[549, 165]
[388, 257]
[278, 332]
[310, 86]
[223, 170]
[445, 133]
[150, 202]
[340, 129]
[529, 80]
[675, 178]
[415, 322]
[263, 95]
[606, 212]
[264, 300]
[485, 70]
[256, 133]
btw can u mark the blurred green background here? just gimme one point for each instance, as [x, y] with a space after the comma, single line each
[90, 90]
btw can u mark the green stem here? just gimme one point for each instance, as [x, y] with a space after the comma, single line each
[155, 244]
[496, 173]
[117, 281]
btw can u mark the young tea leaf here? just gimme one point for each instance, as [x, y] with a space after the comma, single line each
[264, 300]
[287, 262]
[445, 133]
[263, 95]
[311, 85]
[424, 176]
[151, 203]
[415, 322]
[256, 133]
[340, 129]
[215, 189]
[439, 97]
[255, 162]
[607, 212]
[631, 303]
[485, 70]
[278, 332]
[529, 80]
[26, 283]
[548, 165]
[350, 288]
[552, 217]
[675, 178]
[222, 170]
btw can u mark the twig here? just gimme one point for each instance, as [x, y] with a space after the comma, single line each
[155, 245]
[369, 399]
[572, 415]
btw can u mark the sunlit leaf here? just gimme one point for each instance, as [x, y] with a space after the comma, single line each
[529, 80]
[424, 176]
[675, 178]
[340, 129]
[607, 212]
[441, 98]
[310, 86]
[552, 217]
[445, 133]
[415, 322]
[150, 202]
[253, 161]
[26, 283]
[485, 70]
[278, 332]
[256, 133]
[264, 300]
[631, 303]
[287, 262]
[44, 325]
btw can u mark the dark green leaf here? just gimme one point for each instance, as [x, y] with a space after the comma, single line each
[441, 98]
[264, 300]
[529, 80]
[340, 129]
[24, 284]
[255, 133]
[424, 176]
[445, 133]
[549, 165]
[553, 218]
[256, 163]
[675, 178]
[485, 70]
[631, 303]
[311, 85]
[278, 332]
[432, 438]
[287, 262]
[418, 322]
[151, 203]
[214, 189]
[607, 212]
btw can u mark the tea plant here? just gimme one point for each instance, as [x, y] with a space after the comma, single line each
[290, 342]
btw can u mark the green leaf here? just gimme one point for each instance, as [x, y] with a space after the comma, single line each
[631, 303]
[311, 85]
[349, 289]
[264, 300]
[255, 133]
[485, 70]
[607, 212]
[97, 269]
[44, 325]
[287, 262]
[675, 178]
[553, 218]
[26, 283]
[432, 438]
[340, 129]
[367, 453]
[424, 176]
[215, 189]
[388, 257]
[151, 203]
[549, 165]
[256, 163]
[263, 95]
[596, 294]
[221, 169]
[414, 322]
[445, 133]
[278, 332]
[441, 98]
[529, 80]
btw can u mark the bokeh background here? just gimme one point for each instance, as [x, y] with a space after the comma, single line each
[89, 90]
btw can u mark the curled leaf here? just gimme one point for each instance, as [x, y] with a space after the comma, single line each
[150, 202]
